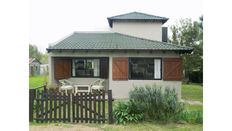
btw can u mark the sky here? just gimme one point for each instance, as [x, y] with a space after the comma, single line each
[52, 20]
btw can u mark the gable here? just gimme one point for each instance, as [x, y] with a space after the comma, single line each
[136, 16]
[34, 60]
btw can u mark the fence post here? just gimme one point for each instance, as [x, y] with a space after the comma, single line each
[110, 107]
[31, 103]
[44, 87]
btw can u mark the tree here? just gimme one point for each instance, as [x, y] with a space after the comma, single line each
[190, 33]
[34, 52]
[174, 35]
[44, 58]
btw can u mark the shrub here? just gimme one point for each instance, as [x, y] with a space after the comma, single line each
[190, 116]
[196, 76]
[158, 105]
[125, 112]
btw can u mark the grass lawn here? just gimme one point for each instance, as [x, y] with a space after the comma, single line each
[36, 81]
[193, 107]
[192, 92]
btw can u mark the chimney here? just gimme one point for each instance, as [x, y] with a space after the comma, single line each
[164, 34]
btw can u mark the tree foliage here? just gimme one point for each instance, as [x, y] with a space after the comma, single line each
[174, 35]
[44, 58]
[35, 53]
[190, 33]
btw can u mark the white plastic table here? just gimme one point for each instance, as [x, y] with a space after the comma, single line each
[76, 88]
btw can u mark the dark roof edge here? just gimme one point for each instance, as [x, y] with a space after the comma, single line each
[110, 21]
[179, 50]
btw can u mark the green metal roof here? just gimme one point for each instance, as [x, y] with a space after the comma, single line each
[136, 16]
[112, 41]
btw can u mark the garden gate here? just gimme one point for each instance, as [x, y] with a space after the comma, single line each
[45, 106]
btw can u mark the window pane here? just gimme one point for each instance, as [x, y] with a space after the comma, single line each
[80, 67]
[96, 67]
[89, 68]
[141, 68]
[157, 69]
[86, 67]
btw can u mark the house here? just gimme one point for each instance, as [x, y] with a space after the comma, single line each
[134, 53]
[34, 67]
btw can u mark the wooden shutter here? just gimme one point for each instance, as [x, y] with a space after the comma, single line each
[62, 68]
[172, 69]
[104, 68]
[120, 68]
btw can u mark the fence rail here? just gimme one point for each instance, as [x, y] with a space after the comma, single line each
[82, 107]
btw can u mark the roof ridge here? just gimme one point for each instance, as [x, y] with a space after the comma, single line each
[138, 13]
[121, 14]
[151, 15]
[75, 32]
[152, 40]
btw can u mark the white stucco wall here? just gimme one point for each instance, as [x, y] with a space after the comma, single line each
[120, 89]
[51, 78]
[148, 30]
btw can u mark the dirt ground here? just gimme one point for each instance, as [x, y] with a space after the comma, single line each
[143, 126]
[63, 127]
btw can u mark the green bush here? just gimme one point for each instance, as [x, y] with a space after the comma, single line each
[158, 105]
[126, 112]
[190, 117]
[196, 76]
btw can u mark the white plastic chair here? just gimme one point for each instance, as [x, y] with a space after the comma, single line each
[65, 86]
[97, 85]
[62, 82]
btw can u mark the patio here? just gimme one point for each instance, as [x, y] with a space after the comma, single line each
[65, 85]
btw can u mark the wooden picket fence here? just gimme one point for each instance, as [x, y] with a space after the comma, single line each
[83, 107]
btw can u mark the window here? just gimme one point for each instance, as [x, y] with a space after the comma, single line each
[86, 67]
[145, 68]
[81, 67]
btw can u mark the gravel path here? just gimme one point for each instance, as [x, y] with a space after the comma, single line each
[192, 102]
